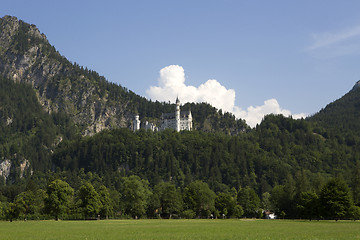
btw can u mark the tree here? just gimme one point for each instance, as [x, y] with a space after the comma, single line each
[58, 199]
[189, 214]
[238, 211]
[250, 202]
[199, 198]
[225, 204]
[2, 210]
[135, 195]
[154, 206]
[13, 211]
[282, 214]
[31, 201]
[355, 183]
[266, 201]
[308, 205]
[89, 200]
[354, 212]
[107, 204]
[281, 200]
[170, 199]
[335, 199]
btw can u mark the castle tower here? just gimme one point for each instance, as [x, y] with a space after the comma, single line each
[136, 123]
[177, 115]
[189, 121]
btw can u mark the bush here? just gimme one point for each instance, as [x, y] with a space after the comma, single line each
[189, 214]
[354, 212]
[238, 211]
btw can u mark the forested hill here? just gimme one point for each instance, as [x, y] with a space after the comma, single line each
[342, 116]
[62, 121]
[88, 99]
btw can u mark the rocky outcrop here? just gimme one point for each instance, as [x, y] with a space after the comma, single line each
[26, 56]
[24, 166]
[5, 166]
[21, 170]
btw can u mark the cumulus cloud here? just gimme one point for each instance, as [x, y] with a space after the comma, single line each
[254, 115]
[171, 84]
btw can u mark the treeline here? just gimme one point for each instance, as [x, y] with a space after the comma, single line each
[133, 197]
[260, 159]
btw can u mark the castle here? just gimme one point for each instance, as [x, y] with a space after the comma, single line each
[178, 120]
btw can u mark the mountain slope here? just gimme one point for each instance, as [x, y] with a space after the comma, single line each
[92, 102]
[28, 135]
[26, 56]
[341, 116]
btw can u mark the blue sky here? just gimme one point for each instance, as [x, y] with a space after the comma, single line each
[290, 57]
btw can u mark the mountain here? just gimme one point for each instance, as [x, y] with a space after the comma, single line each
[26, 56]
[342, 116]
[90, 100]
[59, 120]
[46, 99]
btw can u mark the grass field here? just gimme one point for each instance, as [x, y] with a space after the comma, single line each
[180, 229]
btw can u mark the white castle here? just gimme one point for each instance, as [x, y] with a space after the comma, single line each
[178, 120]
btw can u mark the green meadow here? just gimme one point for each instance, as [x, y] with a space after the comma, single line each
[180, 229]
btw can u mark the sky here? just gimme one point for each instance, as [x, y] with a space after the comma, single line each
[250, 58]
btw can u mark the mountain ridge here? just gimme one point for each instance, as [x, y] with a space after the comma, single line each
[357, 85]
[27, 56]
[342, 115]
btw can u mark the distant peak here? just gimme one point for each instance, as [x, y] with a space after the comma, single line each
[12, 26]
[357, 85]
[9, 19]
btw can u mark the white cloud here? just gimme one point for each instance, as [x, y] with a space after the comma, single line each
[339, 43]
[172, 84]
[326, 39]
[254, 115]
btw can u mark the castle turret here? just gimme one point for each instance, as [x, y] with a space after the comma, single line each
[177, 114]
[189, 121]
[136, 123]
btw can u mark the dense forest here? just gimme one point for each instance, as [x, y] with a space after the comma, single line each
[62, 156]
[282, 165]
[342, 116]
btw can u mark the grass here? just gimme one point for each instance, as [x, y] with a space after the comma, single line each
[180, 229]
